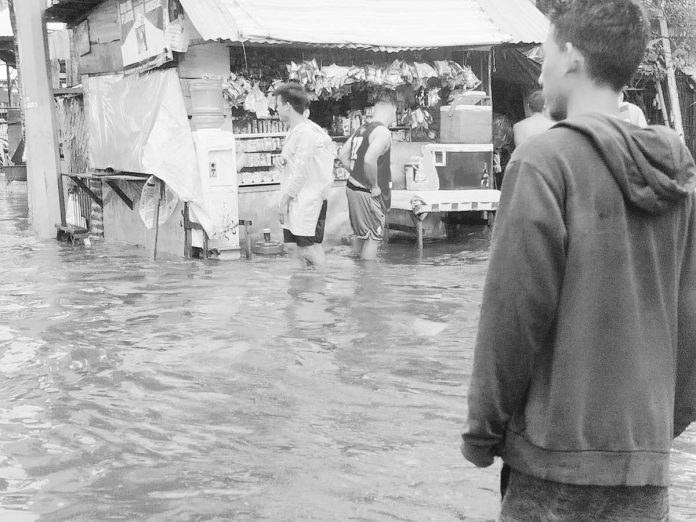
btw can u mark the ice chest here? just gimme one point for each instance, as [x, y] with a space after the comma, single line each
[464, 123]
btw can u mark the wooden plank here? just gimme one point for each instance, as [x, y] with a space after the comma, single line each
[55, 74]
[103, 58]
[72, 229]
[124, 197]
[67, 90]
[72, 68]
[104, 26]
[88, 190]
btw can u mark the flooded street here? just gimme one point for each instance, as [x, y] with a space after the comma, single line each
[191, 390]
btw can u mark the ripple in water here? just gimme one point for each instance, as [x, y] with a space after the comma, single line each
[180, 390]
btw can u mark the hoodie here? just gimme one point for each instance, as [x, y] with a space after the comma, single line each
[585, 358]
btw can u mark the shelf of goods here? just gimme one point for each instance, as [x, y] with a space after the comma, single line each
[258, 154]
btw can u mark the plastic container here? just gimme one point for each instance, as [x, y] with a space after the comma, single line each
[464, 123]
[268, 248]
[206, 104]
[469, 119]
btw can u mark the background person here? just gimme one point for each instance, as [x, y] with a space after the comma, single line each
[592, 274]
[535, 124]
[631, 112]
[307, 165]
[367, 156]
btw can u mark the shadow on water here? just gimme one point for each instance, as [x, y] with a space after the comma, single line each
[178, 390]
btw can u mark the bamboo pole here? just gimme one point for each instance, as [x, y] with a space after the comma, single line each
[674, 105]
[663, 104]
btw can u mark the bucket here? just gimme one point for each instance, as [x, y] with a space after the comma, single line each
[206, 104]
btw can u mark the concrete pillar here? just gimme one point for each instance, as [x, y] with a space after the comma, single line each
[46, 204]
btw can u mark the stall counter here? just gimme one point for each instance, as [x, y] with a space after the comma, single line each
[260, 205]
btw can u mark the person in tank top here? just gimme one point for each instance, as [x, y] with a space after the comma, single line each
[367, 156]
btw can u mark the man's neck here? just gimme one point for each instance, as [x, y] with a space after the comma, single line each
[593, 98]
[379, 117]
[295, 119]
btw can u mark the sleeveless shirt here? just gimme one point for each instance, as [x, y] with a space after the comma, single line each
[360, 142]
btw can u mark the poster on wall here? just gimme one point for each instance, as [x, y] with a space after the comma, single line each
[143, 33]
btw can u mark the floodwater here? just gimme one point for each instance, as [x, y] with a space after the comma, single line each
[191, 390]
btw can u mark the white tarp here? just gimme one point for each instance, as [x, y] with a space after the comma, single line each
[138, 123]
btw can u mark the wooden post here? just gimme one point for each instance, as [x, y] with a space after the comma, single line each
[9, 86]
[158, 199]
[671, 78]
[46, 204]
[187, 233]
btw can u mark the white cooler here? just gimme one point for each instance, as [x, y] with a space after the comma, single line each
[217, 167]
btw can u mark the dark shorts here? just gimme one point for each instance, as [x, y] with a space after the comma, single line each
[306, 241]
[367, 213]
[529, 498]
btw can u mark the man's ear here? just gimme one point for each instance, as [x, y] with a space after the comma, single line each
[575, 61]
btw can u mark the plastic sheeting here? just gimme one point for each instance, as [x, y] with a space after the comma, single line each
[138, 123]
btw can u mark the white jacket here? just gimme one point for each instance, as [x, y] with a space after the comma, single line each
[308, 159]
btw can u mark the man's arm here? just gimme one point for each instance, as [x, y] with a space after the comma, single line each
[344, 153]
[380, 142]
[520, 298]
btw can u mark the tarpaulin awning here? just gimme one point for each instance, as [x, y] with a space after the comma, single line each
[387, 25]
[515, 65]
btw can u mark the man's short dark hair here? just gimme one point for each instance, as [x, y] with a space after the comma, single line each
[385, 97]
[612, 35]
[536, 101]
[294, 94]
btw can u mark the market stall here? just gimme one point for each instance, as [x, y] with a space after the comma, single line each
[229, 56]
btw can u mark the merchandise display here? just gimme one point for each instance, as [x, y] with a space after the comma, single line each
[341, 95]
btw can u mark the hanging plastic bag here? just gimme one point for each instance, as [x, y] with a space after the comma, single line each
[148, 199]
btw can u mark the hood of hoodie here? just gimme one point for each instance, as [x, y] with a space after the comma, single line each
[651, 165]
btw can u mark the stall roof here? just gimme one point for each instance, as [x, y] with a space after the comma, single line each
[5, 25]
[388, 25]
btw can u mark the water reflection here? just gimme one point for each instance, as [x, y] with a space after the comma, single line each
[177, 390]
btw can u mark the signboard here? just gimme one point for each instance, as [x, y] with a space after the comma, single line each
[142, 33]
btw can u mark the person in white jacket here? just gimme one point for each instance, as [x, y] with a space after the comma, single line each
[307, 163]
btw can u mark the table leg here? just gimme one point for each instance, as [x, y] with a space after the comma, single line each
[419, 231]
[247, 234]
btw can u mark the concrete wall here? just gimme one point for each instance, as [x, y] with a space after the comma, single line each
[121, 224]
[258, 204]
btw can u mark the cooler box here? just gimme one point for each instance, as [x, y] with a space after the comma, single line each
[465, 123]
[217, 167]
[462, 166]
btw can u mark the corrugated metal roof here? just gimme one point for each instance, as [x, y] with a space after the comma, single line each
[375, 24]
[518, 18]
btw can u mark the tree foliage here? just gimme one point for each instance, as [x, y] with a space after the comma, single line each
[681, 19]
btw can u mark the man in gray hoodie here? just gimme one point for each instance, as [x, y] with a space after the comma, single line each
[585, 360]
